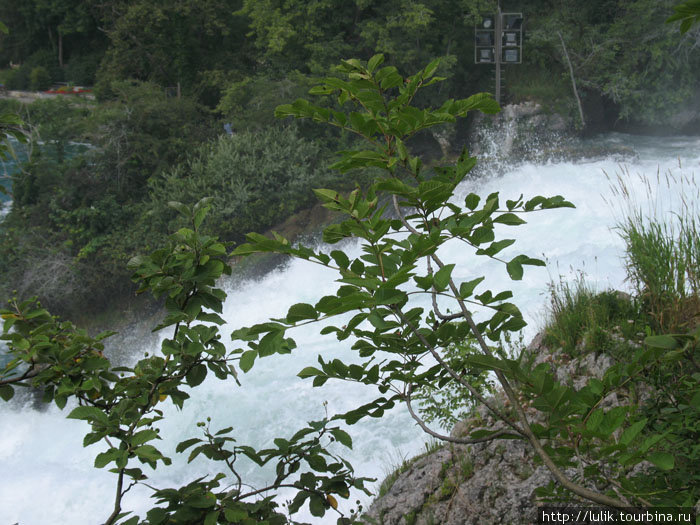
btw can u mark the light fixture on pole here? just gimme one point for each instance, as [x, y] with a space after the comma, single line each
[498, 39]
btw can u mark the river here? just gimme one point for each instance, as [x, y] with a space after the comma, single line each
[48, 478]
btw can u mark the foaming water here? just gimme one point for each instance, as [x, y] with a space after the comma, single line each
[47, 477]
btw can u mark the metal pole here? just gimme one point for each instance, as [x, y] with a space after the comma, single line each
[499, 41]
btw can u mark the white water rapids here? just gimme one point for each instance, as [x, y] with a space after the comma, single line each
[46, 477]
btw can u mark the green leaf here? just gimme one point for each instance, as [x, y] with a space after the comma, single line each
[196, 375]
[596, 386]
[467, 288]
[515, 270]
[212, 517]
[663, 460]
[665, 342]
[442, 277]
[7, 392]
[340, 258]
[235, 515]
[181, 208]
[88, 413]
[510, 219]
[342, 437]
[148, 452]
[425, 283]
[613, 420]
[184, 445]
[300, 312]
[632, 431]
[103, 458]
[316, 506]
[328, 196]
[594, 420]
[139, 438]
[487, 362]
[247, 360]
[374, 62]
[495, 247]
[202, 501]
[156, 515]
[309, 371]
[317, 463]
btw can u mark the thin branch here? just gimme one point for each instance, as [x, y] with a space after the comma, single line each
[117, 499]
[573, 80]
[442, 437]
[459, 378]
[28, 374]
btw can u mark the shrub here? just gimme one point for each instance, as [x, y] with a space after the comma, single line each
[39, 79]
[18, 79]
[46, 58]
[257, 179]
[81, 69]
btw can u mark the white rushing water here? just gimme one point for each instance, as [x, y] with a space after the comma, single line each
[46, 477]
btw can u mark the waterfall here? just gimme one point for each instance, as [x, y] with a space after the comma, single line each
[48, 477]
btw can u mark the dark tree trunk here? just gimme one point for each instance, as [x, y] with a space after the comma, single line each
[60, 49]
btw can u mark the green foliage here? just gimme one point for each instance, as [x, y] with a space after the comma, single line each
[84, 213]
[170, 43]
[143, 131]
[81, 69]
[217, 50]
[620, 50]
[18, 79]
[10, 127]
[448, 402]
[120, 403]
[39, 79]
[57, 122]
[258, 179]
[660, 379]
[250, 103]
[676, 412]
[582, 320]
[687, 13]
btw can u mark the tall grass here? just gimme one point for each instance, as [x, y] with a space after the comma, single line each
[662, 246]
[579, 315]
[662, 259]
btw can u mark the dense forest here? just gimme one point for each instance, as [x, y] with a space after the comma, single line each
[168, 77]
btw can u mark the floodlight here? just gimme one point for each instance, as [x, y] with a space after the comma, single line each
[484, 38]
[511, 55]
[485, 55]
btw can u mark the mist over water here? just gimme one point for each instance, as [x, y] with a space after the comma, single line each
[48, 478]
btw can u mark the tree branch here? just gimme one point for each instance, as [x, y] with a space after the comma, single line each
[441, 437]
[573, 80]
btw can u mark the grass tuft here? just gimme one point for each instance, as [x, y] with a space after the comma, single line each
[663, 247]
[581, 316]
